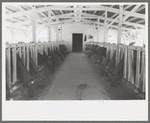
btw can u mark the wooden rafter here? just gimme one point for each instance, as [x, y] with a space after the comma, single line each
[17, 14]
[125, 17]
[81, 14]
[141, 21]
[141, 8]
[85, 16]
[131, 12]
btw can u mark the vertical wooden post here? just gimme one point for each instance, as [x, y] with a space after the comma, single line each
[129, 64]
[34, 34]
[137, 69]
[143, 71]
[49, 23]
[28, 57]
[24, 55]
[8, 63]
[119, 53]
[37, 48]
[14, 60]
[105, 26]
[30, 50]
[20, 52]
[107, 46]
[119, 34]
[61, 31]
[98, 30]
[42, 48]
[93, 31]
[111, 52]
[131, 68]
[122, 52]
[125, 62]
[46, 48]
[57, 34]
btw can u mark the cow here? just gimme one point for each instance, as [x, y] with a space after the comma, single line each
[58, 53]
[97, 51]
[115, 75]
[63, 49]
[104, 62]
[110, 66]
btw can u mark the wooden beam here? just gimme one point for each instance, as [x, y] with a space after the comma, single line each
[131, 19]
[113, 26]
[127, 12]
[98, 29]
[24, 56]
[119, 35]
[33, 25]
[93, 30]
[143, 69]
[134, 24]
[113, 21]
[61, 31]
[18, 14]
[141, 8]
[27, 48]
[61, 11]
[141, 21]
[57, 34]
[105, 26]
[125, 62]
[49, 24]
[129, 63]
[70, 15]
[137, 83]
[8, 66]
[14, 60]
[23, 11]
[34, 35]
[108, 19]
[131, 12]
[120, 24]
[117, 13]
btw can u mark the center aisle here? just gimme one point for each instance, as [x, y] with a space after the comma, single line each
[76, 70]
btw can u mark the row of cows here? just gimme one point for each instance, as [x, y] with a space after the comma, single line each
[107, 65]
[30, 83]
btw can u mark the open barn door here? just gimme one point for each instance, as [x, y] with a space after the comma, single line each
[77, 42]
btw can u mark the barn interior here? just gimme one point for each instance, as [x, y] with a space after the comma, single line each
[75, 51]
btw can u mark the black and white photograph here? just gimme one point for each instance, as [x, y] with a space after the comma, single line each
[67, 58]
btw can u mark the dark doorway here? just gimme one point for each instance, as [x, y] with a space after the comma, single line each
[77, 42]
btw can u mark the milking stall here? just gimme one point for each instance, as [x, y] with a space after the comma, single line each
[75, 51]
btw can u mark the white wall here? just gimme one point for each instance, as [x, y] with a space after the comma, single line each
[69, 29]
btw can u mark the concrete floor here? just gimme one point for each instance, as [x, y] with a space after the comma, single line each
[77, 70]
